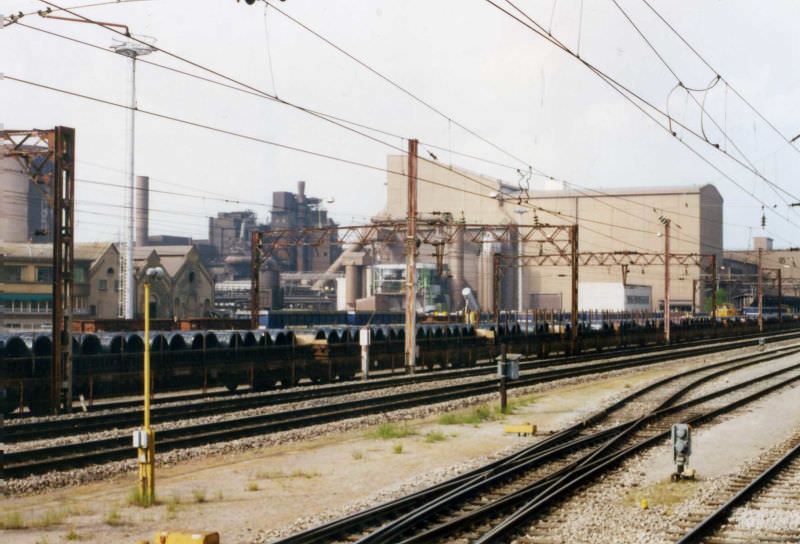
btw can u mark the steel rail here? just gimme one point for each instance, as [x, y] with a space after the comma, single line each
[481, 367]
[68, 426]
[721, 514]
[392, 532]
[24, 462]
[511, 523]
[560, 444]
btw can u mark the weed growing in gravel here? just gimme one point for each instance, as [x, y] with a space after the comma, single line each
[12, 521]
[218, 496]
[279, 474]
[252, 486]
[48, 519]
[113, 518]
[477, 415]
[435, 436]
[137, 498]
[390, 431]
[72, 535]
[398, 448]
[199, 495]
[357, 455]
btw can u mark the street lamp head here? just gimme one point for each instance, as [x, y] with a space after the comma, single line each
[133, 49]
[152, 273]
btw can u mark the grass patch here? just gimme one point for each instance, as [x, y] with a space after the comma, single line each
[357, 455]
[397, 448]
[218, 495]
[72, 535]
[475, 416]
[666, 494]
[12, 521]
[252, 486]
[280, 474]
[390, 431]
[199, 495]
[137, 498]
[113, 519]
[48, 519]
[435, 436]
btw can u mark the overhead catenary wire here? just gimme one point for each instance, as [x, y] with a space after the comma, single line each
[704, 113]
[263, 95]
[300, 149]
[396, 85]
[727, 83]
[545, 211]
[632, 97]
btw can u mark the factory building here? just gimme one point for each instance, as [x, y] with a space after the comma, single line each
[26, 284]
[738, 276]
[609, 220]
[185, 291]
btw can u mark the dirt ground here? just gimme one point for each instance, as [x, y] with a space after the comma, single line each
[246, 494]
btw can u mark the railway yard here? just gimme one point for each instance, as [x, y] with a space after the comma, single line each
[425, 458]
[399, 272]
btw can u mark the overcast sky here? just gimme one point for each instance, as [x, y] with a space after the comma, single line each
[478, 66]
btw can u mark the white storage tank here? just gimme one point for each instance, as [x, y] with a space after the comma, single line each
[13, 199]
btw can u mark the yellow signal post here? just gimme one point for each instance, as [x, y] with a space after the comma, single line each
[145, 439]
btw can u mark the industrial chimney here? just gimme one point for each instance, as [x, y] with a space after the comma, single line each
[142, 210]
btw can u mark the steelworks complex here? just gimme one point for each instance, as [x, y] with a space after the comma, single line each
[620, 242]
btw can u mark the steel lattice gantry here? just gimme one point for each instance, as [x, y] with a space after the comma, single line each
[47, 157]
[438, 233]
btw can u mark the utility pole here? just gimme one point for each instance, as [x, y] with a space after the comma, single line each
[519, 212]
[255, 273]
[496, 292]
[63, 192]
[667, 316]
[780, 296]
[760, 283]
[714, 288]
[411, 260]
[573, 238]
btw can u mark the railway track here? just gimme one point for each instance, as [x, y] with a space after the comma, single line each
[492, 503]
[65, 456]
[28, 431]
[764, 504]
[23, 462]
[384, 379]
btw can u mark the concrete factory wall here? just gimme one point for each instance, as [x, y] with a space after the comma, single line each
[609, 220]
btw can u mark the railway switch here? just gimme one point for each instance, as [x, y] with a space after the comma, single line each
[681, 451]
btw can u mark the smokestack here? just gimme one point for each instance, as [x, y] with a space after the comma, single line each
[301, 191]
[142, 209]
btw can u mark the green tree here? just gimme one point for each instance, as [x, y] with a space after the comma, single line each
[722, 296]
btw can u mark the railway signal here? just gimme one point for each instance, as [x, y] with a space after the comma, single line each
[681, 450]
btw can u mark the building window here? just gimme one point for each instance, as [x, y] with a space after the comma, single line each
[80, 274]
[110, 271]
[44, 274]
[10, 273]
[191, 276]
[116, 286]
[102, 285]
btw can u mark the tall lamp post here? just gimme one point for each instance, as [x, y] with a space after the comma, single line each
[132, 50]
[145, 439]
